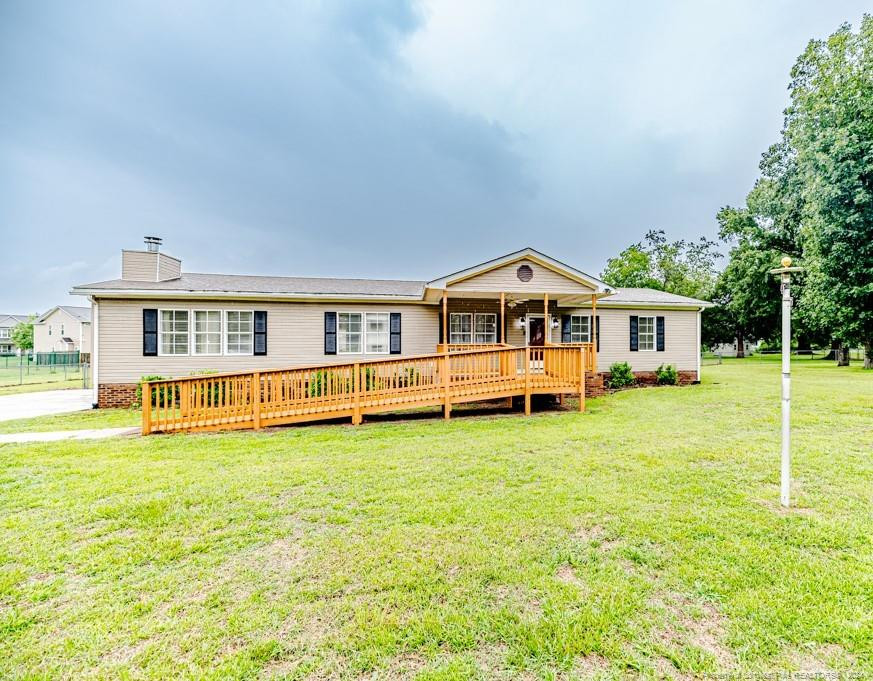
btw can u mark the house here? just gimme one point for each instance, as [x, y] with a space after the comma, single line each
[64, 328]
[7, 323]
[730, 349]
[157, 319]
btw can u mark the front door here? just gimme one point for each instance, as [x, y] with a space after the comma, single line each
[536, 331]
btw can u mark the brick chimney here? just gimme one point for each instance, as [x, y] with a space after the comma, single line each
[150, 264]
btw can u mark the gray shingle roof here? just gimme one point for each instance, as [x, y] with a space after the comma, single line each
[651, 297]
[83, 314]
[236, 283]
[12, 319]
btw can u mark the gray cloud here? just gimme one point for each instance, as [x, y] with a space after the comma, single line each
[373, 139]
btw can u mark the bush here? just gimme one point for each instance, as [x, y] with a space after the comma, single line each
[620, 375]
[142, 380]
[666, 375]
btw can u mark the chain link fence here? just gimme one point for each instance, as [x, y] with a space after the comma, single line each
[25, 371]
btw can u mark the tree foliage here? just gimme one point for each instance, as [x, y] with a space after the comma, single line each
[681, 267]
[22, 335]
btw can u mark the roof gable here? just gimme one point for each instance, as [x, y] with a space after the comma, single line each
[525, 255]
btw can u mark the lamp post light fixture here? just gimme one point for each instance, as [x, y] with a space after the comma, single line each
[785, 273]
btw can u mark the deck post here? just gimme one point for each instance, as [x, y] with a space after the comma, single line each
[501, 334]
[447, 386]
[146, 398]
[582, 379]
[527, 380]
[594, 333]
[445, 320]
[256, 400]
[356, 395]
[547, 330]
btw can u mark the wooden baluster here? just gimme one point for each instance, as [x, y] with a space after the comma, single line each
[527, 356]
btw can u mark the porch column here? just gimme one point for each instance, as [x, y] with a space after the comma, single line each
[445, 319]
[547, 331]
[594, 333]
[502, 318]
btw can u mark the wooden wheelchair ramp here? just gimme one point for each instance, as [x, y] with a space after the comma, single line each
[328, 391]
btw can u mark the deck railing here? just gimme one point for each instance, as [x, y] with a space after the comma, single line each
[463, 347]
[263, 398]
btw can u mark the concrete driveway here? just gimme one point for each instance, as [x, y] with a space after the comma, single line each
[43, 403]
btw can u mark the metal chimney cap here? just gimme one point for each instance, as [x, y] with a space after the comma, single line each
[153, 243]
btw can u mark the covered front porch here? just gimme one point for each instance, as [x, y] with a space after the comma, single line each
[476, 320]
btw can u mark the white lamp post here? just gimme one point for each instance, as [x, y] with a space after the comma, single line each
[784, 273]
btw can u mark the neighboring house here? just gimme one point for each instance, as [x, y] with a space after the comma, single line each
[7, 323]
[730, 349]
[158, 320]
[64, 328]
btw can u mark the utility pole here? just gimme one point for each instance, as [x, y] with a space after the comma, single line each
[785, 273]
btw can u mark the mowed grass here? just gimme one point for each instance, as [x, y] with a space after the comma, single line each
[75, 420]
[640, 539]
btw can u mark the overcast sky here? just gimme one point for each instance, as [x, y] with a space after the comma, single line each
[379, 138]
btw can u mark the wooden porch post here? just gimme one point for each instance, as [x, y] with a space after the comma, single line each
[594, 333]
[256, 400]
[502, 319]
[146, 399]
[447, 386]
[445, 319]
[527, 380]
[582, 379]
[356, 394]
[547, 331]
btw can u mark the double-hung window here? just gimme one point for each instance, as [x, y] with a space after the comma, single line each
[349, 333]
[4, 333]
[646, 333]
[460, 328]
[377, 333]
[485, 327]
[580, 330]
[174, 332]
[239, 333]
[207, 332]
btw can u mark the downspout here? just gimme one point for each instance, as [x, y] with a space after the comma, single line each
[699, 350]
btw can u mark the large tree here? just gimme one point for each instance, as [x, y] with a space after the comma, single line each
[22, 335]
[681, 267]
[829, 127]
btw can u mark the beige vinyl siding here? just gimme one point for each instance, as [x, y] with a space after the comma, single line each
[168, 267]
[505, 279]
[146, 266]
[680, 339]
[295, 337]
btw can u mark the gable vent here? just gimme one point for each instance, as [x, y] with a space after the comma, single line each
[524, 273]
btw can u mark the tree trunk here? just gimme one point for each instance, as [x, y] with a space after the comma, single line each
[842, 355]
[741, 351]
[833, 353]
[868, 354]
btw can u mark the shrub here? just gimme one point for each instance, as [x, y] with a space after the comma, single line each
[142, 380]
[666, 374]
[620, 375]
[319, 381]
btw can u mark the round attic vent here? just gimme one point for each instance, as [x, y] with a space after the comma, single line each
[524, 273]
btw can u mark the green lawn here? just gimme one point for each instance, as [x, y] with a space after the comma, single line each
[642, 538]
[76, 420]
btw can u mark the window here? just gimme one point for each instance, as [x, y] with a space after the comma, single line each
[50, 329]
[460, 328]
[485, 328]
[377, 332]
[580, 331]
[349, 332]
[62, 329]
[174, 332]
[4, 333]
[239, 332]
[207, 332]
[647, 333]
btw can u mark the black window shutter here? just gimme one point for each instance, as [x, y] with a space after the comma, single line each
[260, 332]
[149, 333]
[440, 316]
[330, 333]
[659, 334]
[597, 327]
[566, 336]
[634, 333]
[395, 333]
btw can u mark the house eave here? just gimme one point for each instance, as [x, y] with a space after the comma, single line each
[142, 294]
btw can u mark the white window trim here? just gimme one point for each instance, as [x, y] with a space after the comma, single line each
[161, 332]
[192, 341]
[654, 347]
[484, 314]
[587, 335]
[472, 331]
[365, 333]
[225, 331]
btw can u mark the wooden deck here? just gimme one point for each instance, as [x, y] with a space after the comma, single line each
[329, 391]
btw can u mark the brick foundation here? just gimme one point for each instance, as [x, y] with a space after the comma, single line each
[116, 395]
[594, 386]
[642, 378]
